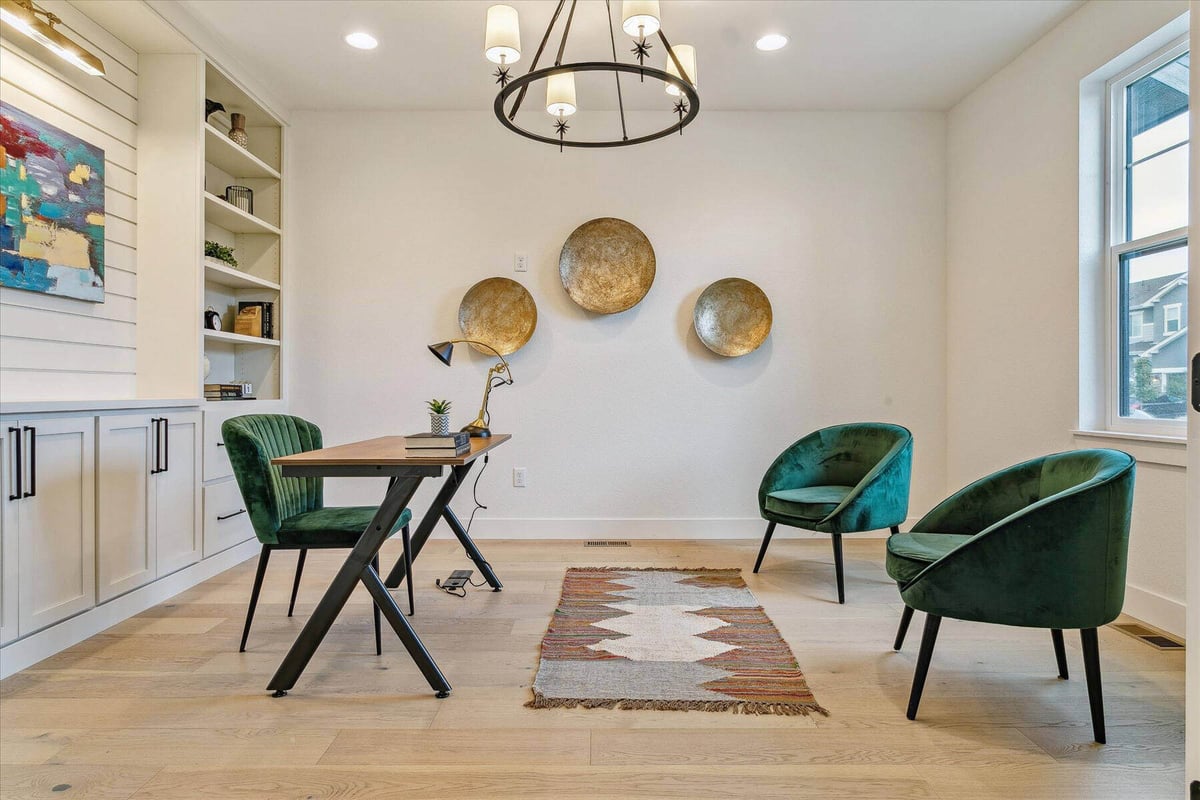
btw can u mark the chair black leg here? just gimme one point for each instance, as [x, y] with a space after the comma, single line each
[837, 566]
[375, 609]
[404, 538]
[932, 623]
[902, 631]
[296, 583]
[895, 529]
[766, 541]
[1060, 652]
[1091, 668]
[258, 579]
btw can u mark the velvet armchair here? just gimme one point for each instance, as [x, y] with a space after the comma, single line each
[1042, 544]
[290, 513]
[844, 479]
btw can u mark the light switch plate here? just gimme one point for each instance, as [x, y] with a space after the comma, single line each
[519, 477]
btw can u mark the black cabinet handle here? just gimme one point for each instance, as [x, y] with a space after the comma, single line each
[230, 516]
[20, 461]
[157, 448]
[166, 444]
[222, 444]
[32, 462]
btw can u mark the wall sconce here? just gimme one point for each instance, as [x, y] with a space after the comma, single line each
[23, 16]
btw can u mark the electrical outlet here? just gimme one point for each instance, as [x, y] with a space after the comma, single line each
[519, 477]
[521, 263]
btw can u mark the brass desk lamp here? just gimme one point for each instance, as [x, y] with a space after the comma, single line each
[498, 375]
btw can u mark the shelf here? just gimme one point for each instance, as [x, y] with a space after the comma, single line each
[237, 338]
[232, 219]
[223, 152]
[228, 276]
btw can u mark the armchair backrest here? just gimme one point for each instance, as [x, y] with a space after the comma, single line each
[848, 453]
[251, 442]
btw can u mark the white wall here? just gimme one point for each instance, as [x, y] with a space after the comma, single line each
[839, 217]
[1013, 281]
[55, 347]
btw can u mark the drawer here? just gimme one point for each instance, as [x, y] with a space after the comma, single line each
[226, 522]
[216, 461]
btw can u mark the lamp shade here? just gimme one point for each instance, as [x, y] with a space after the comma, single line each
[443, 350]
[687, 59]
[640, 17]
[560, 94]
[502, 39]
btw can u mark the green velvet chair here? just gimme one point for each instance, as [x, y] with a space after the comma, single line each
[1042, 544]
[845, 479]
[290, 513]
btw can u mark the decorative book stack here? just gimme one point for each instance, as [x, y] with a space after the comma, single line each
[427, 445]
[228, 391]
[255, 318]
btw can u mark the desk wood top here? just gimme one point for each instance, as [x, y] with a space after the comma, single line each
[385, 451]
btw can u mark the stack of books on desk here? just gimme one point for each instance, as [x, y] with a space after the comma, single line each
[427, 445]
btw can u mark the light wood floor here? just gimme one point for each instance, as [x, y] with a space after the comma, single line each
[163, 705]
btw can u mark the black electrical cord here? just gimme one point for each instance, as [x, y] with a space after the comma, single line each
[470, 521]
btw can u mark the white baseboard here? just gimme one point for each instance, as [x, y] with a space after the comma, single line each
[641, 528]
[24, 653]
[1154, 609]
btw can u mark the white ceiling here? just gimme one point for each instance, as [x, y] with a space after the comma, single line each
[843, 54]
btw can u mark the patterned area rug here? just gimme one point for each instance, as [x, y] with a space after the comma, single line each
[673, 639]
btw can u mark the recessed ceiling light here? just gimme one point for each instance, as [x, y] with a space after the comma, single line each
[361, 40]
[772, 41]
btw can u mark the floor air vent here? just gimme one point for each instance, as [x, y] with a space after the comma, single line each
[610, 543]
[1150, 636]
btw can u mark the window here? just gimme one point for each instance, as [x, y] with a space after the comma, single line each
[1147, 242]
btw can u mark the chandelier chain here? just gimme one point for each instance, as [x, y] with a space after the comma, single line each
[613, 41]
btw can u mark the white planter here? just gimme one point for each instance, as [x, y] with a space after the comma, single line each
[439, 424]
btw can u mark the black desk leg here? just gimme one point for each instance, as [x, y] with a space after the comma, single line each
[438, 510]
[355, 568]
[408, 636]
[485, 568]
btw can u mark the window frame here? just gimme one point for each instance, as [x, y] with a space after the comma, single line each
[1168, 319]
[1116, 221]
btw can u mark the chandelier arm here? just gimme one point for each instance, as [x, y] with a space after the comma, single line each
[562, 43]
[545, 38]
[682, 72]
[612, 39]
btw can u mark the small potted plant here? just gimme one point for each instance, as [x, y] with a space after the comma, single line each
[220, 253]
[439, 417]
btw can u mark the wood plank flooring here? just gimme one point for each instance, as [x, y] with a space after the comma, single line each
[163, 705]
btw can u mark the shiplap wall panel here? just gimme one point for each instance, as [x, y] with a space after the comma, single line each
[55, 347]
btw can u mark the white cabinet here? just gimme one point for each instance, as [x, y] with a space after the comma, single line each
[53, 511]
[8, 536]
[226, 521]
[149, 498]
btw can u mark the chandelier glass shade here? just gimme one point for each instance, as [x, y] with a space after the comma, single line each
[639, 19]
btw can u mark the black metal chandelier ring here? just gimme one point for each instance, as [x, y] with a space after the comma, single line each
[519, 84]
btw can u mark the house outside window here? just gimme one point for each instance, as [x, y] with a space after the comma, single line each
[1147, 234]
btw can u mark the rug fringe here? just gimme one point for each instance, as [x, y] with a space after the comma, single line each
[627, 704]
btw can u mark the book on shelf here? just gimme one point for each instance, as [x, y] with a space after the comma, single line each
[255, 318]
[427, 441]
[228, 391]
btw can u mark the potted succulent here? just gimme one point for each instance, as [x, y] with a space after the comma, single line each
[439, 417]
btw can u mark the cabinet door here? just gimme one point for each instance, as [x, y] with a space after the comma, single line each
[9, 569]
[177, 490]
[56, 523]
[125, 547]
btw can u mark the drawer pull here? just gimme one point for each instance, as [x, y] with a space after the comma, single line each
[220, 444]
[230, 516]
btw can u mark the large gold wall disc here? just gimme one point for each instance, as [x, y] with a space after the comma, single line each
[732, 317]
[498, 311]
[607, 265]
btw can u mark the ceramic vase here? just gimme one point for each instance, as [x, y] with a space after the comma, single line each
[439, 424]
[238, 131]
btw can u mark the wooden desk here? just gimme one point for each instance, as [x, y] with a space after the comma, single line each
[381, 457]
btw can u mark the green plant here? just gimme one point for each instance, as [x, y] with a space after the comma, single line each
[1144, 390]
[438, 406]
[219, 252]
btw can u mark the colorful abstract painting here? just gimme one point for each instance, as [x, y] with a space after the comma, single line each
[52, 199]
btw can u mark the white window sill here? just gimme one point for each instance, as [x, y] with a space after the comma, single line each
[1149, 448]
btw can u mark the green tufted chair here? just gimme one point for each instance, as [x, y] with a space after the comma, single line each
[845, 479]
[1042, 544]
[290, 513]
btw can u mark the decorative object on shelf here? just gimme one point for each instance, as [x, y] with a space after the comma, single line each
[732, 317]
[498, 375]
[640, 19]
[237, 130]
[212, 319]
[266, 313]
[498, 311]
[207, 366]
[229, 391]
[52, 237]
[220, 252]
[240, 197]
[439, 417]
[38, 24]
[211, 107]
[607, 265]
[249, 321]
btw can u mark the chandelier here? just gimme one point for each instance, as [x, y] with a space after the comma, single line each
[639, 19]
